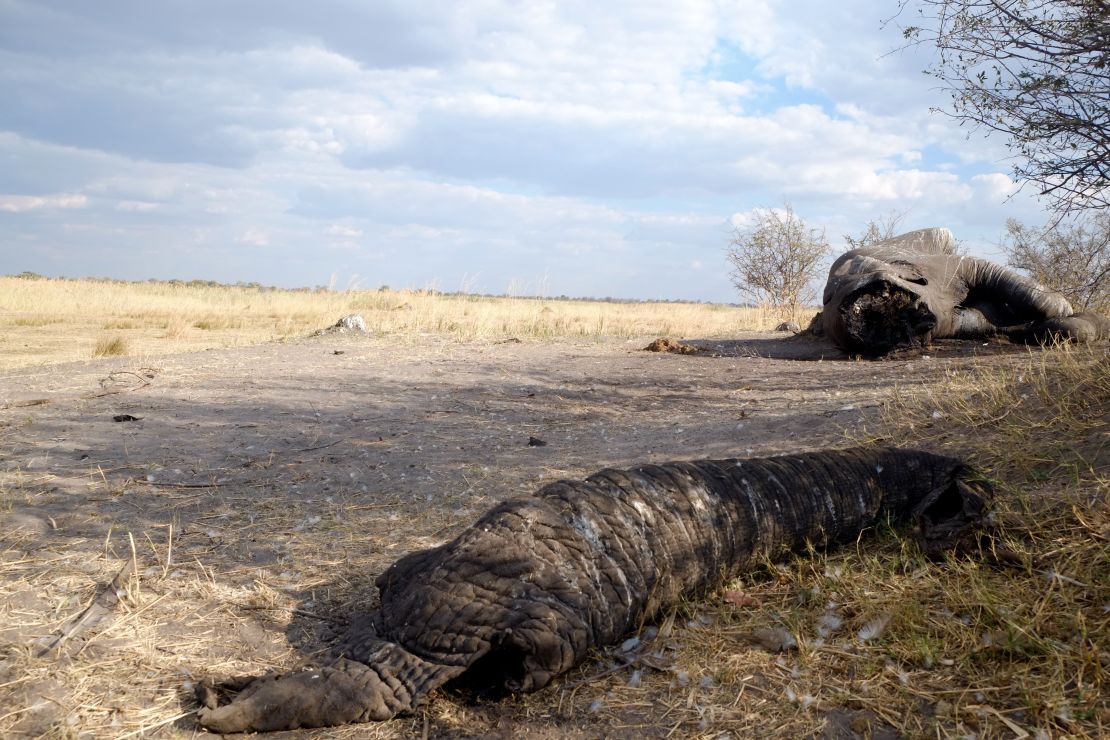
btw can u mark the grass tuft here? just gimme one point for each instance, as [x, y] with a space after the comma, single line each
[36, 321]
[110, 347]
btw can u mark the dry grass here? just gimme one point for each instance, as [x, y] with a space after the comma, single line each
[1014, 642]
[37, 321]
[110, 347]
[40, 318]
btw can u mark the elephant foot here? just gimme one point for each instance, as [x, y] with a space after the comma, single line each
[882, 317]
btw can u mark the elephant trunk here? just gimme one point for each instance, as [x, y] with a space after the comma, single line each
[1079, 327]
[537, 583]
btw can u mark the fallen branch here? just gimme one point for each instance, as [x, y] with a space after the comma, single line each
[319, 447]
[144, 381]
[95, 613]
[23, 404]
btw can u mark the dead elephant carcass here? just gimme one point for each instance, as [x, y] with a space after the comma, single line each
[913, 288]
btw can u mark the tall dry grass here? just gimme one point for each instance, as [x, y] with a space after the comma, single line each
[110, 346]
[46, 321]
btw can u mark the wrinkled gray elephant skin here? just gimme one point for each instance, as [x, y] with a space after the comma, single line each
[527, 591]
[913, 288]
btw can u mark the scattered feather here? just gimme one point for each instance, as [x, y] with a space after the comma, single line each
[828, 623]
[899, 673]
[874, 629]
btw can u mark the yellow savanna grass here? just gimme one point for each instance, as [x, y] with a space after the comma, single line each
[56, 320]
[110, 346]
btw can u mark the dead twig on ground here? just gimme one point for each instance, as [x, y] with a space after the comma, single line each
[95, 612]
[289, 610]
[144, 374]
[319, 447]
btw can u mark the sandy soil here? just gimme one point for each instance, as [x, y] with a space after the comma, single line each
[264, 488]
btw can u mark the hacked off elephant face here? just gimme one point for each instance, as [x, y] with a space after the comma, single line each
[873, 311]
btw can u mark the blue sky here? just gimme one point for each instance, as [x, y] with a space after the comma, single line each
[578, 148]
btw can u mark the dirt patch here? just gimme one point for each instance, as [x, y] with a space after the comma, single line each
[261, 490]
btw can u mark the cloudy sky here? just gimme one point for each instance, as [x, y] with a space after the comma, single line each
[531, 146]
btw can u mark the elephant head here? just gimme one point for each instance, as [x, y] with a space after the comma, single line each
[914, 288]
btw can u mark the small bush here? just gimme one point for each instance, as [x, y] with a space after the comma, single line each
[214, 323]
[1072, 258]
[110, 347]
[775, 258]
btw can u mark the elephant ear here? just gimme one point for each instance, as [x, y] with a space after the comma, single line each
[935, 240]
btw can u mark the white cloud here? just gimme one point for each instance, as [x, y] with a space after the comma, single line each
[410, 142]
[342, 230]
[255, 237]
[24, 203]
[995, 185]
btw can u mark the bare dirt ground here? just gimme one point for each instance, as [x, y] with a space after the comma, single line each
[261, 490]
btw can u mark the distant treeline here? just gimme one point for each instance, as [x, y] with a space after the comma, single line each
[381, 289]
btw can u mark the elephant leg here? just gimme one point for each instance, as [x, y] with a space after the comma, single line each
[342, 692]
[1079, 327]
